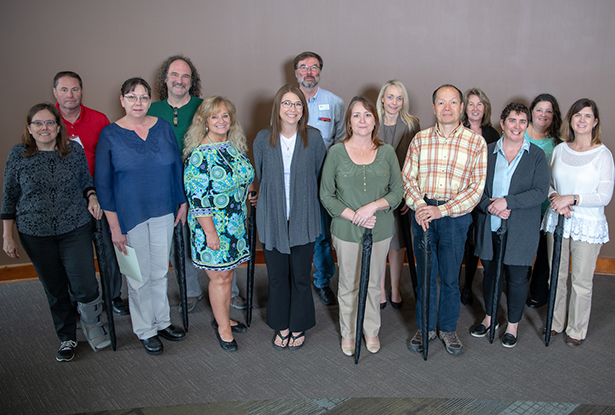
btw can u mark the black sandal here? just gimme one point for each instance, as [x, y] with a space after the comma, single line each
[283, 338]
[294, 338]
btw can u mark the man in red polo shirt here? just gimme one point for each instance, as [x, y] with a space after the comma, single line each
[83, 125]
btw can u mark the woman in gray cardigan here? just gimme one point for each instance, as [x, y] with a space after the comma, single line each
[517, 183]
[288, 157]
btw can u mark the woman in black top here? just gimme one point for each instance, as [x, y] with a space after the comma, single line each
[476, 117]
[48, 193]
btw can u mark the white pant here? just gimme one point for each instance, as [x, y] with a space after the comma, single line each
[149, 303]
[582, 256]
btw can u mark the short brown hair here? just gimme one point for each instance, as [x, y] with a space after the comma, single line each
[130, 84]
[517, 107]
[69, 74]
[305, 55]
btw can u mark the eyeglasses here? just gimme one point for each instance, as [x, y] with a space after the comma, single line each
[134, 98]
[39, 124]
[287, 105]
[313, 68]
[175, 116]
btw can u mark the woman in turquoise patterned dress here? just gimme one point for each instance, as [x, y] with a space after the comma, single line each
[217, 179]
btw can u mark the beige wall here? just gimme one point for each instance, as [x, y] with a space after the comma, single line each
[244, 50]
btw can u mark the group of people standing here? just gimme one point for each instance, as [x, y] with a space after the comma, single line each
[325, 175]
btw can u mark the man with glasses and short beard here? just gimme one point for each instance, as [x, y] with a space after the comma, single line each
[327, 115]
[179, 86]
[83, 125]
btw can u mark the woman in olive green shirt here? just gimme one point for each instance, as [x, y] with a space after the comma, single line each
[360, 186]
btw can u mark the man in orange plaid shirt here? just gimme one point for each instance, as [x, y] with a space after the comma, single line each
[444, 175]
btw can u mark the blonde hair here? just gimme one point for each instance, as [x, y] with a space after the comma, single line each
[411, 121]
[198, 129]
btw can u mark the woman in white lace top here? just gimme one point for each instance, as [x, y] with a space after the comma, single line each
[581, 186]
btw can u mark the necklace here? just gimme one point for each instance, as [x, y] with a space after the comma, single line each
[288, 143]
[287, 146]
[358, 149]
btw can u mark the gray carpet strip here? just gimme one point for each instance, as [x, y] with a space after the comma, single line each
[388, 406]
[195, 376]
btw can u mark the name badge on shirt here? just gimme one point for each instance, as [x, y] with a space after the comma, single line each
[323, 107]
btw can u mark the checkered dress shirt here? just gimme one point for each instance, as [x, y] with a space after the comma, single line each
[446, 168]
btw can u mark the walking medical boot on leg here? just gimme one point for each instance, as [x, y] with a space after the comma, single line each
[91, 323]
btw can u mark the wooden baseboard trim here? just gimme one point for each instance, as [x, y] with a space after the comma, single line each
[26, 272]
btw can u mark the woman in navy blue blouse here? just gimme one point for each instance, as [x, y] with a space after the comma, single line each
[139, 183]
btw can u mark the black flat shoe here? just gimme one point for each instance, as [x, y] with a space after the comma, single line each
[226, 346]
[383, 305]
[534, 304]
[466, 297]
[172, 333]
[509, 341]
[481, 330]
[153, 345]
[119, 306]
[238, 328]
[397, 306]
[326, 295]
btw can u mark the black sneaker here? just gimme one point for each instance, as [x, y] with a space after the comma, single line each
[66, 351]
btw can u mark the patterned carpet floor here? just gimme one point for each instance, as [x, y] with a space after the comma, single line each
[195, 376]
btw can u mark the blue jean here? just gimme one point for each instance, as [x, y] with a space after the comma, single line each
[323, 254]
[64, 262]
[448, 238]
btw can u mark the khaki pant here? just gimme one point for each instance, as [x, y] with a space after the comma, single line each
[349, 262]
[580, 258]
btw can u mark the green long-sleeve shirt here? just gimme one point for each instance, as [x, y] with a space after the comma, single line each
[345, 184]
